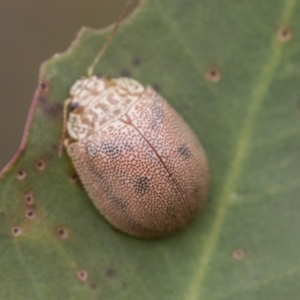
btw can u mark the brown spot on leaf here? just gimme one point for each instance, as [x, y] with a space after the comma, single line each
[213, 74]
[63, 233]
[30, 214]
[74, 177]
[29, 199]
[43, 85]
[16, 231]
[40, 165]
[125, 73]
[82, 275]
[53, 110]
[156, 87]
[284, 34]
[111, 273]
[50, 109]
[93, 285]
[136, 61]
[238, 254]
[21, 174]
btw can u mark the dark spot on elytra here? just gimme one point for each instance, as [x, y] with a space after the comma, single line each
[118, 202]
[195, 192]
[126, 147]
[94, 170]
[157, 112]
[141, 185]
[184, 152]
[111, 273]
[157, 116]
[125, 73]
[136, 61]
[110, 150]
[171, 211]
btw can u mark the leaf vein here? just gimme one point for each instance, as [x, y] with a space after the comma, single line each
[241, 151]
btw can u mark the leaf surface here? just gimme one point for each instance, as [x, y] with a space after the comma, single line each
[231, 68]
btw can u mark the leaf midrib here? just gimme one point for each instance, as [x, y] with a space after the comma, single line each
[243, 141]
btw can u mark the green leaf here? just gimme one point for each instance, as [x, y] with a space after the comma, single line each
[231, 68]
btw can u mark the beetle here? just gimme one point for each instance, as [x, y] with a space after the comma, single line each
[138, 160]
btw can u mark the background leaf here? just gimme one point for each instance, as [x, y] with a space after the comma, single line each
[231, 68]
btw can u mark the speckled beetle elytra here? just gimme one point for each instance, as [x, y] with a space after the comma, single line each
[137, 159]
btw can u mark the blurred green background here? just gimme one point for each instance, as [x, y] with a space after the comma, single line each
[32, 31]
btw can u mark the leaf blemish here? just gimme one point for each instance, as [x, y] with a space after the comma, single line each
[125, 73]
[156, 87]
[63, 233]
[16, 231]
[213, 74]
[50, 109]
[82, 275]
[73, 177]
[93, 286]
[284, 34]
[43, 85]
[30, 214]
[136, 61]
[40, 165]
[29, 199]
[239, 254]
[111, 273]
[21, 175]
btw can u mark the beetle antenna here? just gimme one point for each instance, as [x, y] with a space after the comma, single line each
[91, 68]
[63, 133]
